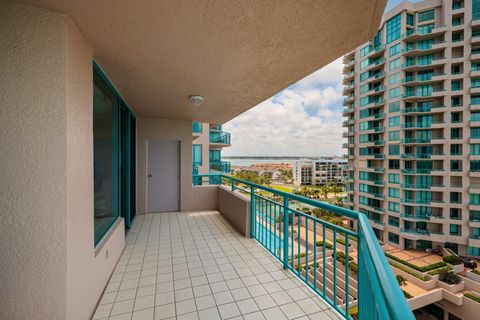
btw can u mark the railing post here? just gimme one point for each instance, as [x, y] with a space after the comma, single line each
[285, 232]
[252, 210]
[233, 185]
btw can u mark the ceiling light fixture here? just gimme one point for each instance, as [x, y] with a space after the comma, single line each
[196, 100]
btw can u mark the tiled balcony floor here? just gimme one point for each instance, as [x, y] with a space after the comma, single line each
[196, 266]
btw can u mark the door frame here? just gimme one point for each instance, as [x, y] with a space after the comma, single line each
[179, 143]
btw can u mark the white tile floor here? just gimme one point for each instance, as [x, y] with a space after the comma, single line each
[196, 266]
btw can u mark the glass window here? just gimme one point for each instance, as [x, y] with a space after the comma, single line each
[365, 50]
[394, 28]
[394, 135]
[394, 64]
[474, 198]
[364, 101]
[393, 238]
[394, 106]
[455, 229]
[395, 49]
[394, 92]
[475, 149]
[394, 149]
[476, 83]
[197, 155]
[475, 100]
[364, 75]
[393, 221]
[475, 133]
[105, 157]
[364, 63]
[394, 178]
[394, 206]
[364, 88]
[394, 192]
[426, 15]
[475, 116]
[394, 121]
[395, 78]
[410, 19]
[475, 9]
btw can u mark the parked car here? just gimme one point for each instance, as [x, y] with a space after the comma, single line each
[469, 263]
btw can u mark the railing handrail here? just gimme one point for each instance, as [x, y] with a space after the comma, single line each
[393, 305]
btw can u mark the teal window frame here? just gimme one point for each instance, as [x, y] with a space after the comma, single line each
[394, 64]
[393, 238]
[394, 149]
[410, 20]
[393, 28]
[365, 50]
[475, 9]
[123, 152]
[394, 178]
[197, 154]
[394, 106]
[394, 50]
[426, 15]
[394, 92]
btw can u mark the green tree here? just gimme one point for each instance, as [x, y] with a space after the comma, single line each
[401, 280]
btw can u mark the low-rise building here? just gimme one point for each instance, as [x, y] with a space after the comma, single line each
[319, 172]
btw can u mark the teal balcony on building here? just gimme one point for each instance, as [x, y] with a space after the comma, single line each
[220, 138]
[220, 166]
[196, 127]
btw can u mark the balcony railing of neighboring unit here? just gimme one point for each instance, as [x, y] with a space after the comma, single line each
[219, 137]
[196, 127]
[218, 165]
[343, 279]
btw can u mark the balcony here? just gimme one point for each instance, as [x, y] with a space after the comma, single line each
[196, 129]
[220, 166]
[219, 139]
[196, 265]
[227, 263]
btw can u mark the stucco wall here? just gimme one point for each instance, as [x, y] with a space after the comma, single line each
[205, 198]
[87, 271]
[152, 129]
[49, 267]
[32, 163]
[236, 208]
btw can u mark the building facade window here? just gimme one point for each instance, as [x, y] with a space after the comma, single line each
[426, 15]
[394, 26]
[395, 64]
[365, 50]
[395, 49]
[393, 238]
[113, 155]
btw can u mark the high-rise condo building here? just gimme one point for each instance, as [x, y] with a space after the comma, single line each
[412, 102]
[208, 142]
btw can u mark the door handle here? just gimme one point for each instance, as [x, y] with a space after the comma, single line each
[149, 175]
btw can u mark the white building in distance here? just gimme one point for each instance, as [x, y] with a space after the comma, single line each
[319, 172]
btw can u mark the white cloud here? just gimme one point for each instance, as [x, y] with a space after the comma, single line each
[303, 120]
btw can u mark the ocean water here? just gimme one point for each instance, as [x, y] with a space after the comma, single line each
[249, 162]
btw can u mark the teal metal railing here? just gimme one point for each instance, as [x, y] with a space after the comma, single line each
[222, 166]
[346, 267]
[219, 137]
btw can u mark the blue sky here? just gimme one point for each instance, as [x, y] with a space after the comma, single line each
[302, 120]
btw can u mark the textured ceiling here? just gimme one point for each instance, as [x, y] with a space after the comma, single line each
[234, 53]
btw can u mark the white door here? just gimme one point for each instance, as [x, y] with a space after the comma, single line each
[163, 175]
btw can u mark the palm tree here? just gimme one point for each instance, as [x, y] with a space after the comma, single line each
[324, 191]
